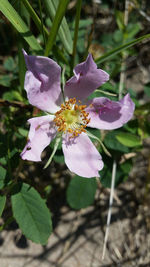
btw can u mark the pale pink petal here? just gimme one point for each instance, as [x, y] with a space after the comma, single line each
[81, 156]
[42, 131]
[108, 115]
[87, 78]
[42, 82]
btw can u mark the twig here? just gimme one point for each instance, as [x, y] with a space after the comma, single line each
[142, 13]
[110, 208]
[121, 87]
[16, 104]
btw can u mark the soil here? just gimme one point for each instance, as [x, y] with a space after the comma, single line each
[78, 236]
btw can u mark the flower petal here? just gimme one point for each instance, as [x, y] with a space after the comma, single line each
[87, 78]
[42, 82]
[81, 156]
[42, 131]
[108, 115]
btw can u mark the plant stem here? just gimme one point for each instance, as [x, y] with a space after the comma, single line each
[123, 64]
[42, 25]
[77, 19]
[34, 16]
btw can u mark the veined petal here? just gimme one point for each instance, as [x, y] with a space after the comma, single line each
[87, 78]
[42, 82]
[81, 156]
[42, 131]
[108, 115]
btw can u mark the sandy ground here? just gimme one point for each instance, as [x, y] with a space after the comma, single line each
[78, 236]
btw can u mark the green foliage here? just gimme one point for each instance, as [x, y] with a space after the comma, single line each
[9, 64]
[129, 140]
[120, 48]
[81, 192]
[2, 204]
[63, 32]
[112, 143]
[11, 14]
[122, 173]
[147, 90]
[2, 177]
[31, 213]
[61, 8]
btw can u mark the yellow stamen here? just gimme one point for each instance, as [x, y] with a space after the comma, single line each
[72, 118]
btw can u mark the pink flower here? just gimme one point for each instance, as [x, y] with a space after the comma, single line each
[70, 118]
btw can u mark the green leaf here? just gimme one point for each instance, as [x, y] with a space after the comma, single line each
[126, 166]
[106, 176]
[111, 142]
[2, 204]
[59, 156]
[147, 90]
[120, 19]
[63, 32]
[121, 48]
[5, 80]
[133, 29]
[2, 177]
[31, 213]
[34, 17]
[9, 64]
[23, 131]
[11, 14]
[128, 139]
[81, 192]
[12, 95]
[62, 6]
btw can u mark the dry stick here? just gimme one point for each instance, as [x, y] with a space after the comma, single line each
[121, 87]
[16, 104]
[110, 207]
[141, 12]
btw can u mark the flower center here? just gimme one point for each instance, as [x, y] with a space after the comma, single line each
[72, 118]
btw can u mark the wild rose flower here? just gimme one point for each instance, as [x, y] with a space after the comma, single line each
[70, 117]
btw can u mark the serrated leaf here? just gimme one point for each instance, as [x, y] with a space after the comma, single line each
[129, 140]
[11, 14]
[2, 204]
[31, 213]
[81, 192]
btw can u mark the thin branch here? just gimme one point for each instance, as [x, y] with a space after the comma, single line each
[110, 207]
[121, 87]
[17, 104]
